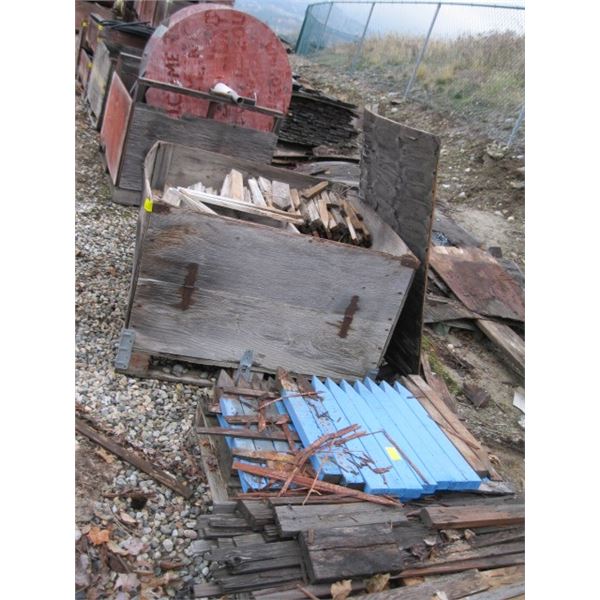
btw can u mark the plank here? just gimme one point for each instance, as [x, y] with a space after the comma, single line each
[440, 309]
[487, 562]
[98, 83]
[505, 592]
[466, 445]
[210, 463]
[334, 554]
[479, 282]
[314, 190]
[139, 463]
[453, 586]
[240, 205]
[149, 124]
[254, 552]
[510, 345]
[256, 512]
[281, 194]
[244, 433]
[292, 519]
[461, 517]
[398, 173]
[437, 383]
[236, 190]
[257, 197]
[286, 324]
[252, 581]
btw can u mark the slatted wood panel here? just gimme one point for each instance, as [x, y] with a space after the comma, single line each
[398, 174]
[200, 293]
[405, 453]
[149, 125]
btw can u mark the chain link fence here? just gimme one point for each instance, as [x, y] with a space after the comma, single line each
[466, 59]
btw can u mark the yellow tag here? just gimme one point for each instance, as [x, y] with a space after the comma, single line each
[84, 23]
[100, 27]
[89, 65]
[393, 453]
[148, 205]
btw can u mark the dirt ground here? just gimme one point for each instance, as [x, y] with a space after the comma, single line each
[482, 187]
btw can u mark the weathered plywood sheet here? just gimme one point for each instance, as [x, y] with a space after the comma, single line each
[398, 173]
[479, 281]
[149, 124]
[114, 125]
[210, 288]
[99, 80]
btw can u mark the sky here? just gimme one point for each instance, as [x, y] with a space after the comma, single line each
[285, 16]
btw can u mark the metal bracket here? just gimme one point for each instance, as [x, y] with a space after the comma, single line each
[125, 349]
[245, 369]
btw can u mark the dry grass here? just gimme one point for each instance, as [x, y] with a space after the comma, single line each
[476, 71]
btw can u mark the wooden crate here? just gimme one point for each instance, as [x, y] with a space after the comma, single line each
[206, 287]
[130, 128]
[108, 58]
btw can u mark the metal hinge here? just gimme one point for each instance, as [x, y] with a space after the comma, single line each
[125, 349]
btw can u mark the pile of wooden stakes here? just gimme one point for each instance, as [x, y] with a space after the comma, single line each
[316, 210]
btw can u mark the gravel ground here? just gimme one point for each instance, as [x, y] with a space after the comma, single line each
[149, 415]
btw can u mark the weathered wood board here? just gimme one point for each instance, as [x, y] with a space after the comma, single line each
[510, 345]
[479, 281]
[114, 125]
[462, 517]
[398, 174]
[96, 91]
[148, 125]
[294, 519]
[334, 554]
[206, 288]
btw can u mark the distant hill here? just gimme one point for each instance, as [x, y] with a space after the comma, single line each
[284, 17]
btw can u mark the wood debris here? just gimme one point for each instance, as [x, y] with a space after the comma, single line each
[318, 210]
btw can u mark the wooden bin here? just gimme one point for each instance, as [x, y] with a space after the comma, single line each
[131, 126]
[206, 288]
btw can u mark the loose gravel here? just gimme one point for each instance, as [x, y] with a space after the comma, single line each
[151, 416]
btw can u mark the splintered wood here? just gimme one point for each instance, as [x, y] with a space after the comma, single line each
[317, 210]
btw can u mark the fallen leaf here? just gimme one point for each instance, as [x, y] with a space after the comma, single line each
[377, 583]
[340, 590]
[495, 460]
[107, 456]
[98, 536]
[128, 582]
[127, 518]
[116, 549]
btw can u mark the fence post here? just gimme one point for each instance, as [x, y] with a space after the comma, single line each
[516, 127]
[324, 28]
[362, 39]
[422, 53]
